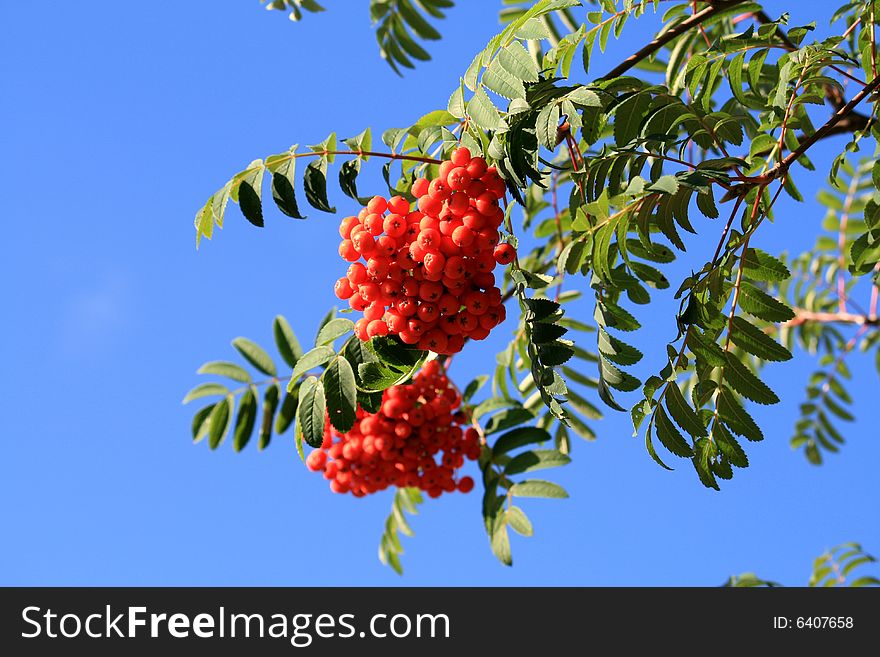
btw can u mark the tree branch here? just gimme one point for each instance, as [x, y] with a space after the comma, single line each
[825, 130]
[662, 39]
[804, 316]
[855, 121]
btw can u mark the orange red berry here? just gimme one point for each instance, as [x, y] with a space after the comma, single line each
[429, 276]
[417, 439]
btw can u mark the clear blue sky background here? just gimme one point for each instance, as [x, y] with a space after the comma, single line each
[119, 120]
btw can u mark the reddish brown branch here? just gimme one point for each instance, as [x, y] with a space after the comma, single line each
[804, 316]
[662, 39]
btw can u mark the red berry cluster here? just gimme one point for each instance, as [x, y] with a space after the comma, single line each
[399, 445]
[429, 275]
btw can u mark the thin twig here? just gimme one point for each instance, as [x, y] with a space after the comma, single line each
[662, 39]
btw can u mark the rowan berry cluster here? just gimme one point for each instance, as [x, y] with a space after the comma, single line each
[428, 277]
[415, 440]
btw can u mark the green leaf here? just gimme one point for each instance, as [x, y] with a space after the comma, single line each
[311, 411]
[416, 21]
[729, 446]
[361, 142]
[255, 355]
[628, 118]
[227, 369]
[285, 340]
[517, 520]
[205, 390]
[616, 350]
[483, 112]
[375, 377]
[616, 378]
[309, 361]
[584, 97]
[613, 316]
[287, 412]
[219, 421]
[456, 105]
[519, 438]
[745, 383]
[392, 352]
[540, 308]
[669, 435]
[756, 342]
[546, 125]
[735, 78]
[649, 444]
[760, 304]
[584, 407]
[761, 266]
[500, 543]
[371, 402]
[497, 79]
[270, 405]
[283, 169]
[508, 418]
[682, 413]
[838, 410]
[555, 353]
[250, 197]
[341, 394]
[538, 488]
[516, 60]
[667, 184]
[200, 424]
[705, 449]
[333, 330]
[535, 460]
[532, 29]
[247, 417]
[348, 174]
[472, 387]
[865, 253]
[736, 417]
[606, 396]
[316, 185]
[705, 348]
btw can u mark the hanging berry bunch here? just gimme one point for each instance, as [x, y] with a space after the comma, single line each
[428, 275]
[415, 440]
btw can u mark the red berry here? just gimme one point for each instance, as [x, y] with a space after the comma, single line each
[343, 289]
[439, 190]
[377, 327]
[420, 187]
[430, 205]
[424, 279]
[461, 157]
[434, 262]
[364, 243]
[345, 226]
[377, 205]
[465, 484]
[462, 236]
[374, 311]
[373, 223]
[347, 251]
[445, 167]
[316, 460]
[504, 254]
[459, 179]
[398, 205]
[430, 291]
[476, 167]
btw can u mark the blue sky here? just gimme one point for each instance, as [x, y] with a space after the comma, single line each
[120, 119]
